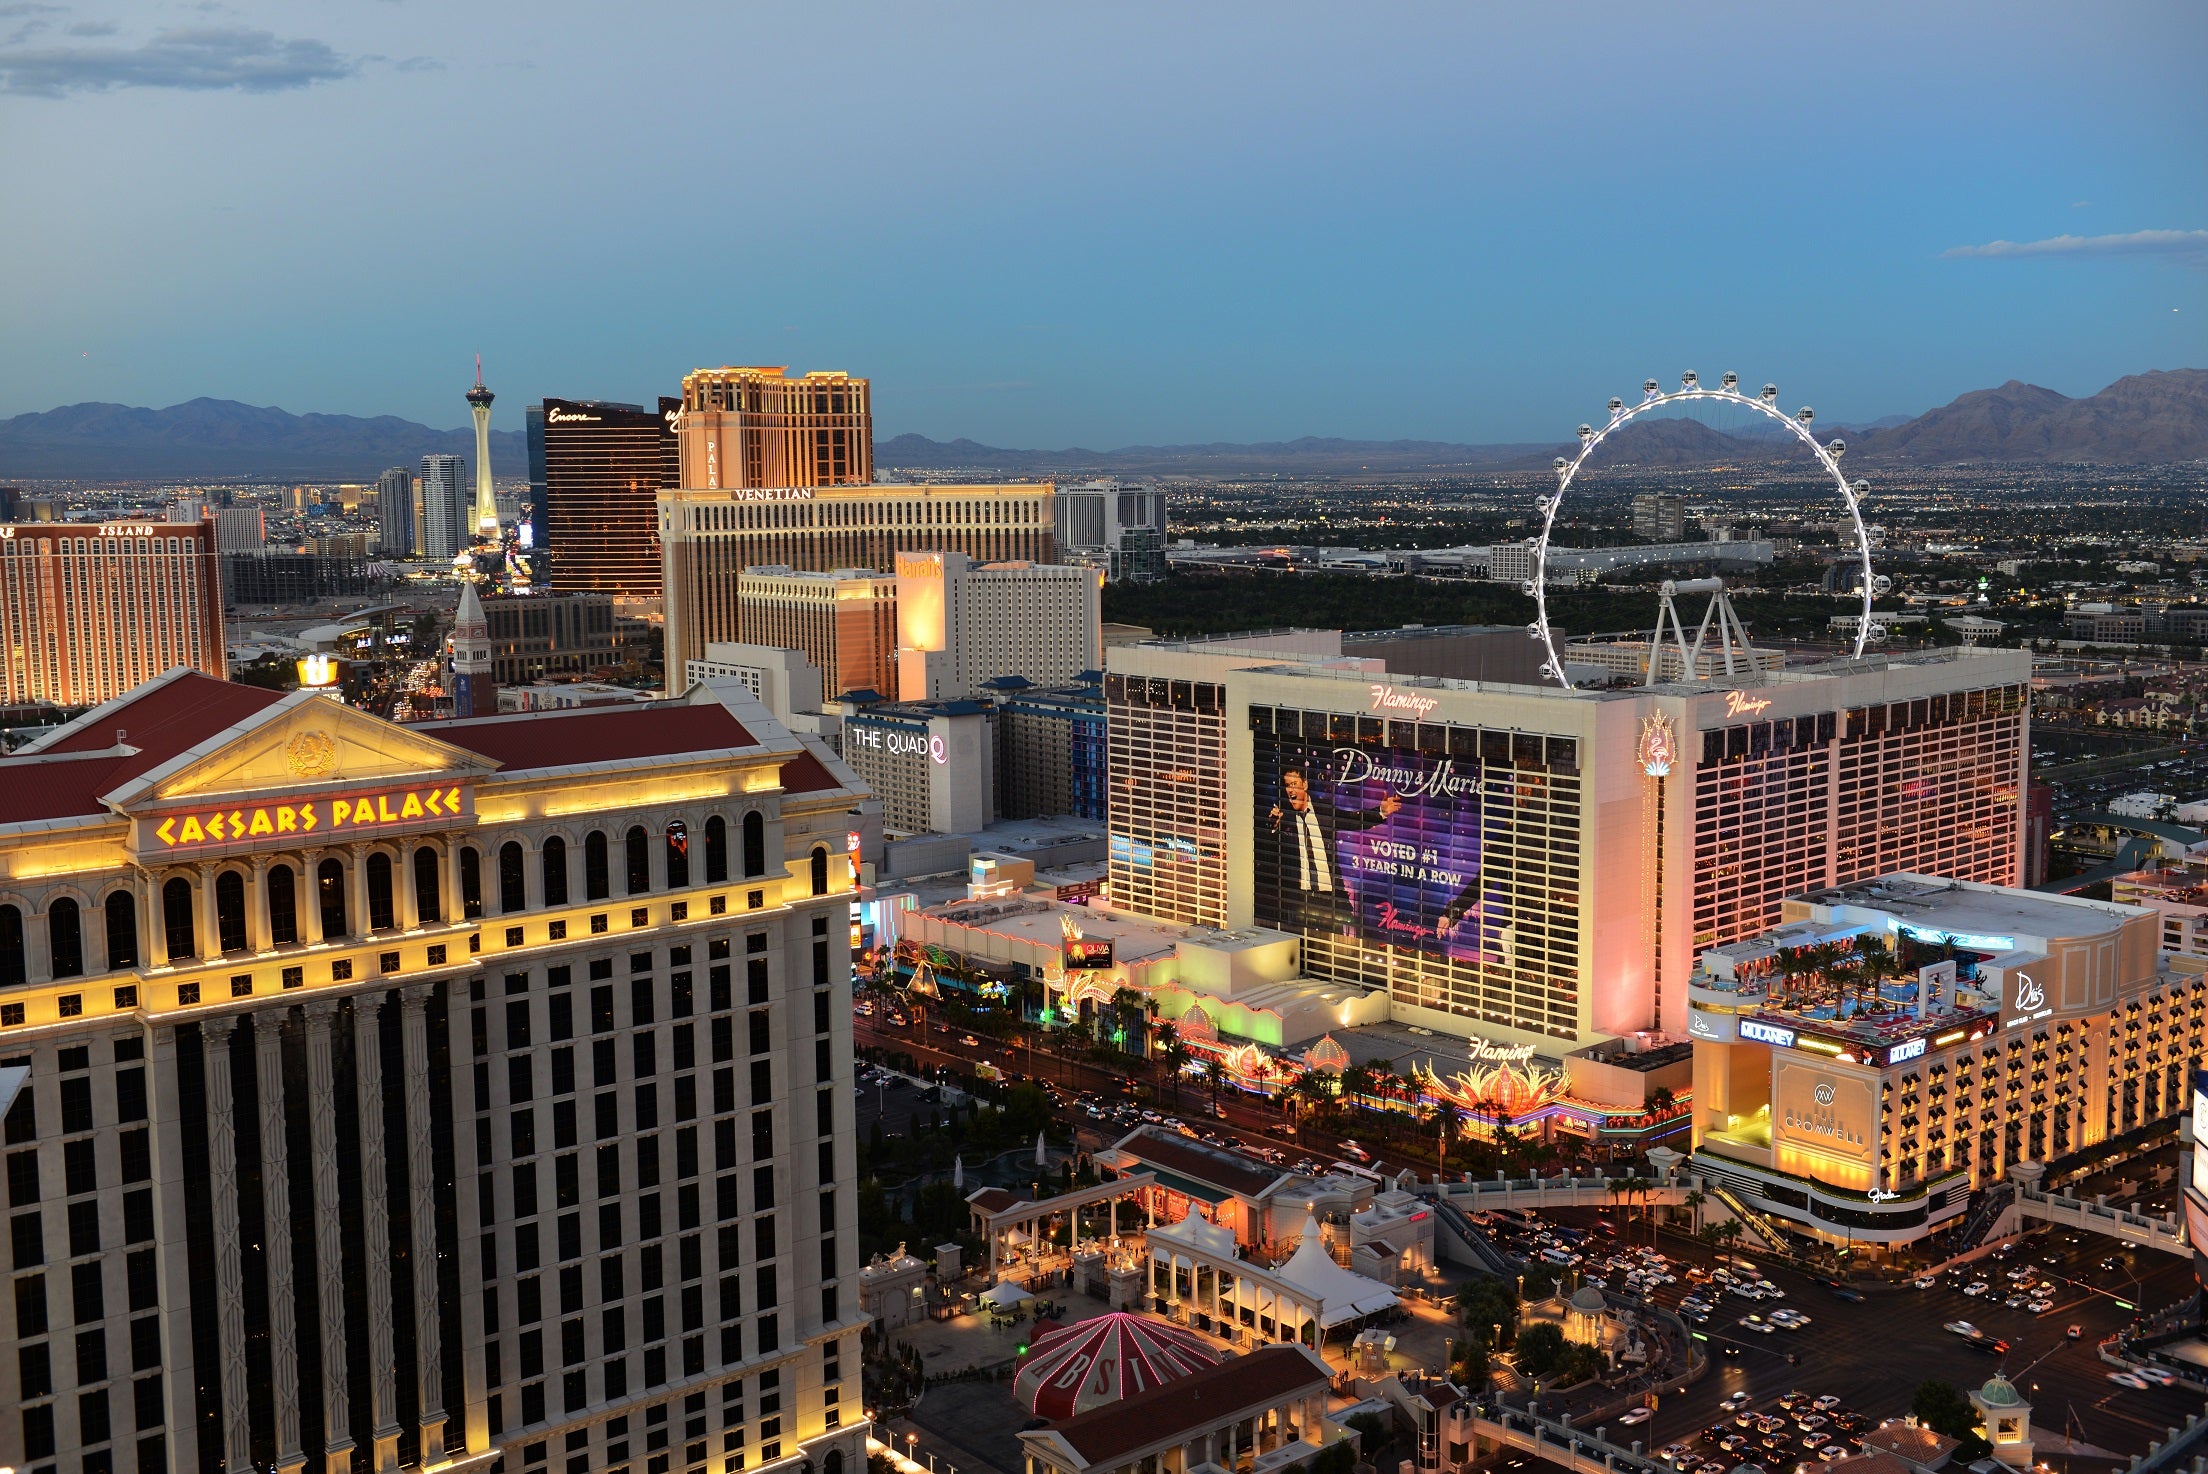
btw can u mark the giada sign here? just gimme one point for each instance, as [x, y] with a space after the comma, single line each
[340, 816]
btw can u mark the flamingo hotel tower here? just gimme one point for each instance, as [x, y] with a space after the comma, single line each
[470, 1097]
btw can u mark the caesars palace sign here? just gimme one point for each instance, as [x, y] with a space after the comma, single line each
[335, 816]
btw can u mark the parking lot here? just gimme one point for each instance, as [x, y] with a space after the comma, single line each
[1872, 1354]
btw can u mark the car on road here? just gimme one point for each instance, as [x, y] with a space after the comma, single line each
[2126, 1379]
[2074, 1332]
[1757, 1324]
[1962, 1328]
[1635, 1415]
[1975, 1288]
[1675, 1451]
[1826, 1403]
[1739, 1399]
[1831, 1452]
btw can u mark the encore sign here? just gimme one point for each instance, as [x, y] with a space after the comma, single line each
[335, 817]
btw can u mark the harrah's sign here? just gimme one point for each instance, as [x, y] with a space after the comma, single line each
[342, 816]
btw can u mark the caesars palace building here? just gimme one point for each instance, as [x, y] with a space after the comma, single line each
[1530, 864]
[474, 1095]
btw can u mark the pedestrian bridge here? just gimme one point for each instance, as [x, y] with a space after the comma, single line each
[2145, 1230]
[1534, 1193]
[1469, 1430]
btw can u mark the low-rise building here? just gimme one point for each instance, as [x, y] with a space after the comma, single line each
[1269, 1405]
[539, 635]
[1893, 1044]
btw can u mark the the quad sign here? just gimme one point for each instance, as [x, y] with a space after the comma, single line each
[324, 817]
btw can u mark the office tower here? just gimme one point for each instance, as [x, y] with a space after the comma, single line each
[1251, 783]
[89, 610]
[444, 506]
[603, 467]
[2008, 1026]
[958, 626]
[474, 691]
[1659, 518]
[538, 635]
[483, 520]
[844, 620]
[931, 763]
[707, 538]
[377, 1119]
[1117, 527]
[240, 529]
[750, 427]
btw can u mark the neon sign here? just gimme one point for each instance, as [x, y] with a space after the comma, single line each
[1764, 1033]
[1882, 1195]
[1394, 698]
[2029, 995]
[1905, 1051]
[1659, 745]
[240, 824]
[1740, 703]
[1483, 1052]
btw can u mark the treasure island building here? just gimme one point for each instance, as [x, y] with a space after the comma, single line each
[476, 1099]
[89, 610]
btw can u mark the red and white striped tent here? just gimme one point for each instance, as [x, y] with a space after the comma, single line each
[1097, 1362]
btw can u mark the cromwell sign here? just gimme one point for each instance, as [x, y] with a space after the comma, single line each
[340, 816]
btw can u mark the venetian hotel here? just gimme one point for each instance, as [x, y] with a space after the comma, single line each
[469, 1096]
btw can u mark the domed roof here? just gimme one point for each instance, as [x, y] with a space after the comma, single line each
[1587, 1297]
[1196, 1024]
[1326, 1055]
[2000, 1392]
[1097, 1362]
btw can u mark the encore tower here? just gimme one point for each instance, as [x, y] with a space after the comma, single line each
[484, 523]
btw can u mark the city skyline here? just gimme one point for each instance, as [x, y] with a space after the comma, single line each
[1449, 225]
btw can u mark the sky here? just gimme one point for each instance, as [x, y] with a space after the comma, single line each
[1044, 225]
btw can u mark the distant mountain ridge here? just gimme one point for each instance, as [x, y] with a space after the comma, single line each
[2156, 418]
[214, 439]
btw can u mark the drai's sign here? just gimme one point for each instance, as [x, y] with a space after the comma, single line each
[344, 814]
[1718, 1028]
[1395, 698]
[1764, 1033]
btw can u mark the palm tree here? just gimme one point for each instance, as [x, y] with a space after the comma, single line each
[1216, 1073]
[1446, 1117]
[1726, 1234]
[1693, 1202]
[1176, 1057]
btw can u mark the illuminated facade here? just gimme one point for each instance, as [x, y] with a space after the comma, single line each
[959, 626]
[708, 538]
[1530, 862]
[603, 466]
[89, 610]
[483, 518]
[557, 1004]
[844, 620]
[1860, 1090]
[760, 427]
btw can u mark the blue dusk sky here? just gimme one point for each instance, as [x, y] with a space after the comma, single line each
[1052, 224]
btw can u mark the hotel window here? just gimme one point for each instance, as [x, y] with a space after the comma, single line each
[230, 935]
[382, 915]
[122, 929]
[65, 938]
[329, 884]
[597, 872]
[716, 850]
[554, 861]
[755, 843]
[638, 854]
[512, 885]
[12, 968]
[427, 907]
[176, 919]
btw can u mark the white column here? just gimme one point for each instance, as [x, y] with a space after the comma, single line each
[328, 1252]
[310, 898]
[258, 936]
[209, 938]
[375, 1231]
[428, 1347]
[283, 1332]
[222, 1171]
[403, 909]
[356, 877]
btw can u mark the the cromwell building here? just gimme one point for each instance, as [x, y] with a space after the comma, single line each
[89, 610]
[1859, 1090]
[394, 1099]
[1528, 863]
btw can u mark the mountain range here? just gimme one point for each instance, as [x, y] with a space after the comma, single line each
[2156, 418]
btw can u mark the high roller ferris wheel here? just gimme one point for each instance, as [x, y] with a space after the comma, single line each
[1690, 391]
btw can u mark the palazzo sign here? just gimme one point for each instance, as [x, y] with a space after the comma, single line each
[341, 816]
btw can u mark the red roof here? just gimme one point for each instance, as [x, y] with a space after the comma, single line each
[559, 739]
[159, 720]
[1095, 1363]
[807, 774]
[1199, 1401]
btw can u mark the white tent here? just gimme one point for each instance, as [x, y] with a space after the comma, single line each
[1006, 1293]
[1342, 1294]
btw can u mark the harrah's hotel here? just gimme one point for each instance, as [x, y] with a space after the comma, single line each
[1553, 861]
[471, 1096]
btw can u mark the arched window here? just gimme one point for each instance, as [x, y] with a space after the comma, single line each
[381, 908]
[176, 919]
[716, 850]
[597, 874]
[329, 886]
[471, 883]
[230, 911]
[555, 871]
[833, 1463]
[65, 938]
[513, 891]
[678, 854]
[755, 843]
[122, 929]
[820, 870]
[428, 903]
[283, 907]
[639, 855]
[14, 970]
